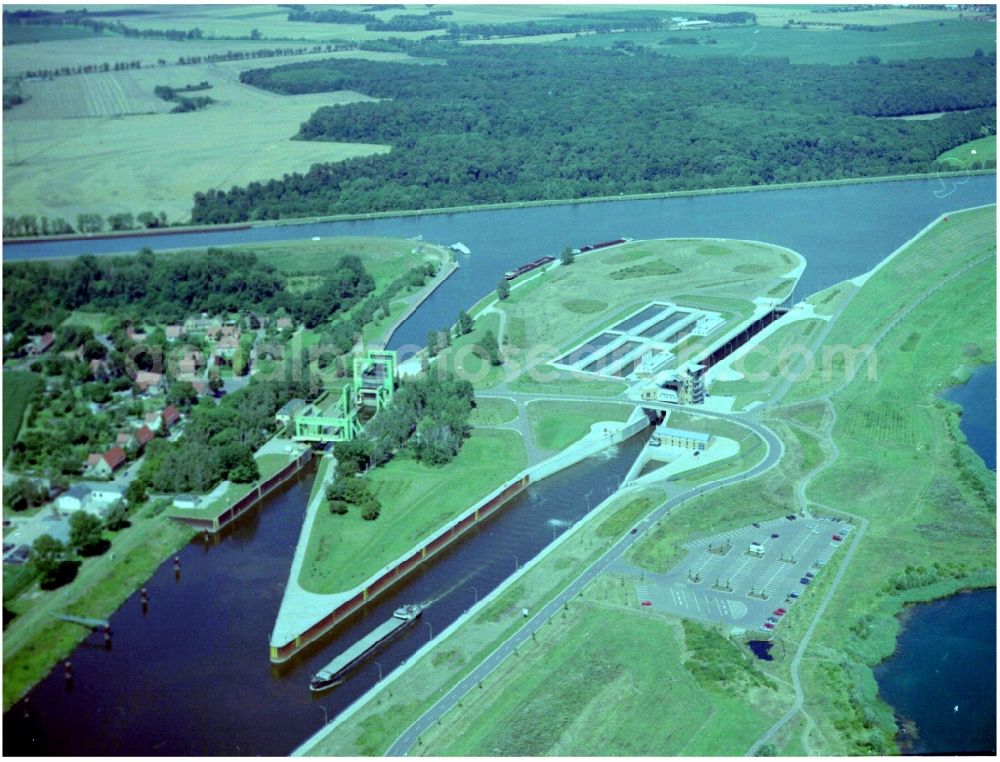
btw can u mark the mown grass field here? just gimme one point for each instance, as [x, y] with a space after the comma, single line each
[646, 271]
[557, 425]
[778, 15]
[18, 389]
[915, 39]
[416, 499]
[962, 157]
[599, 680]
[491, 411]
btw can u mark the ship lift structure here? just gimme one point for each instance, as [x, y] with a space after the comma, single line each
[371, 388]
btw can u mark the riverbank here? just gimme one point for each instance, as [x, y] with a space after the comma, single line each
[34, 641]
[946, 177]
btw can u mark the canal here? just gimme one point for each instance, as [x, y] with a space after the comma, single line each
[192, 676]
[841, 230]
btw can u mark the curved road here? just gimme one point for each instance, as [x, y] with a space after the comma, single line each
[774, 452]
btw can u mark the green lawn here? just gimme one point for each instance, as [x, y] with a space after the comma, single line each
[557, 425]
[416, 499]
[461, 358]
[544, 379]
[18, 389]
[599, 680]
[962, 157]
[93, 320]
[491, 411]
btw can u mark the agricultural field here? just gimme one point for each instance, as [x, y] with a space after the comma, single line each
[923, 39]
[778, 15]
[58, 166]
[416, 499]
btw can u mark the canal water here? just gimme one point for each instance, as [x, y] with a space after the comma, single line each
[842, 231]
[942, 677]
[192, 676]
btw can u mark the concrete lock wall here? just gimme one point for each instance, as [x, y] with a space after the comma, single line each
[339, 606]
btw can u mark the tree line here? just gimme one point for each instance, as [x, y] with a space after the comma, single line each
[37, 295]
[512, 123]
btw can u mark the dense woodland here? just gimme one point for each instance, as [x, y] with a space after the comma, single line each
[513, 123]
[37, 295]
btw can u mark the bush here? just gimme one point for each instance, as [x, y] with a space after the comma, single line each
[338, 507]
[371, 512]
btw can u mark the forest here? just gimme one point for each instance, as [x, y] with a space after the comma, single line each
[517, 123]
[37, 295]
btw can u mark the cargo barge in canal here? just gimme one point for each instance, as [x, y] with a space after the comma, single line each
[511, 274]
[333, 672]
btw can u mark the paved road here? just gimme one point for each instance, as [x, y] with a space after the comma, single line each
[409, 737]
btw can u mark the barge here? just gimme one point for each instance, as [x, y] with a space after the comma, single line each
[511, 274]
[601, 245]
[334, 672]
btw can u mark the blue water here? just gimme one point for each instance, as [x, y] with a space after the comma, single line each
[842, 231]
[978, 398]
[946, 659]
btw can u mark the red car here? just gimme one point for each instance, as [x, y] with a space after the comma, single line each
[837, 538]
[768, 625]
[647, 603]
[779, 612]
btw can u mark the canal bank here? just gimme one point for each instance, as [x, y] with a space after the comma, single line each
[304, 616]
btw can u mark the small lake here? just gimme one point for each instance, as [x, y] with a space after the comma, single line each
[978, 398]
[943, 679]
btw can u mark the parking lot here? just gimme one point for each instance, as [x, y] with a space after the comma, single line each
[741, 576]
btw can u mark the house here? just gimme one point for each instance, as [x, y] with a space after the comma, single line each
[104, 495]
[133, 335]
[200, 325]
[186, 501]
[214, 332]
[143, 436]
[74, 499]
[201, 387]
[39, 344]
[153, 421]
[170, 416]
[149, 381]
[108, 463]
[227, 345]
[125, 439]
[99, 370]
[687, 440]
[190, 362]
[286, 414]
[174, 332]
[284, 324]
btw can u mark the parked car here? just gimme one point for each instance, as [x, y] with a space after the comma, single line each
[756, 525]
[768, 626]
[805, 580]
[810, 575]
[790, 517]
[772, 619]
[774, 536]
[647, 603]
[837, 538]
[793, 594]
[779, 612]
[634, 530]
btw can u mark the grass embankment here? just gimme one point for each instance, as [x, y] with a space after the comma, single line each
[416, 500]
[598, 679]
[463, 359]
[34, 641]
[904, 466]
[772, 358]
[924, 265]
[19, 388]
[557, 425]
[493, 411]
[377, 724]
[751, 452]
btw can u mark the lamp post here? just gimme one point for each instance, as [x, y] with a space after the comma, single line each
[430, 630]
[379, 670]
[476, 592]
[517, 565]
[326, 719]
